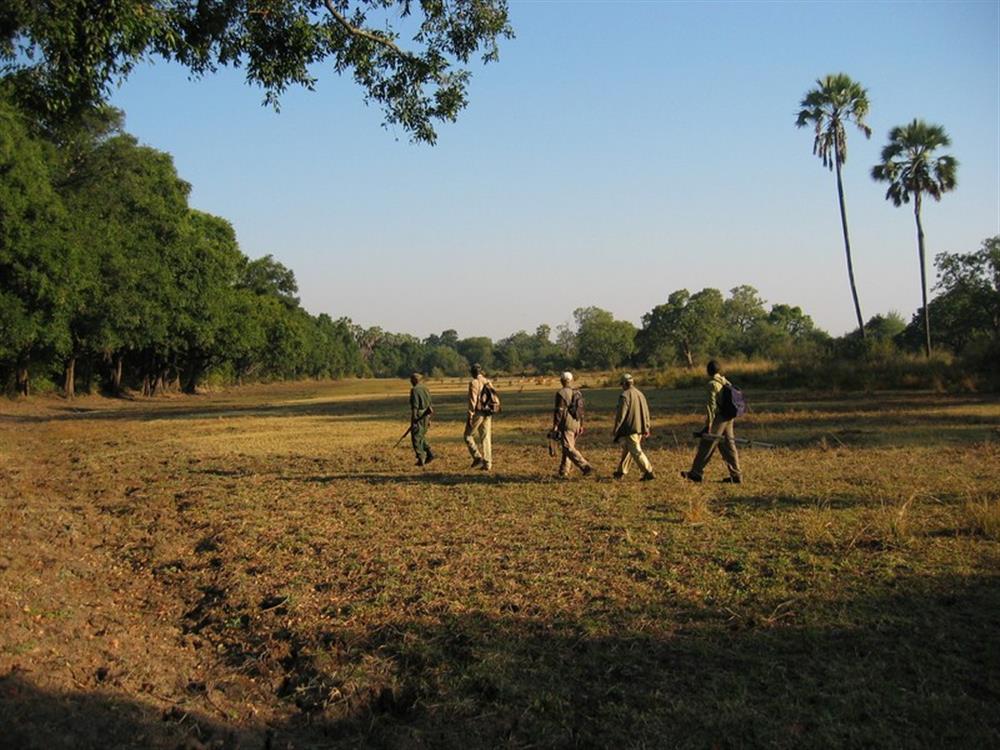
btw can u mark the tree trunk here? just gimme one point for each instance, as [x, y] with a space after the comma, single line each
[847, 243]
[23, 380]
[116, 374]
[688, 356]
[69, 378]
[191, 383]
[160, 384]
[923, 274]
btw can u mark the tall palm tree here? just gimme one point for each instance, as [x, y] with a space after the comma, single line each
[911, 169]
[835, 101]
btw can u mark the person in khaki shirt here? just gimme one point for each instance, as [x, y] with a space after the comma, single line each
[632, 424]
[478, 424]
[569, 427]
[719, 432]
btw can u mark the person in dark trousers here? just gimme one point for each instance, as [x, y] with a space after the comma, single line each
[420, 419]
[568, 426]
[632, 424]
[719, 432]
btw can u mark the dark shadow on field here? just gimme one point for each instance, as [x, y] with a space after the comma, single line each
[911, 666]
[365, 409]
[427, 477]
[833, 501]
[35, 719]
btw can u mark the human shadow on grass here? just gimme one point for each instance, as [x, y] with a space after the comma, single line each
[909, 665]
[427, 477]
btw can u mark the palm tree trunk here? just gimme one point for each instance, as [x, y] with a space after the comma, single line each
[923, 274]
[847, 244]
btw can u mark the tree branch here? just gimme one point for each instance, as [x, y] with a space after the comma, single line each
[363, 34]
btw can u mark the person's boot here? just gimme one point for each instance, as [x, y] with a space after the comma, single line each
[587, 470]
[690, 477]
[430, 457]
[477, 462]
[647, 477]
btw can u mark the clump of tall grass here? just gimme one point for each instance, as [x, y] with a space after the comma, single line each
[981, 516]
[896, 521]
[697, 510]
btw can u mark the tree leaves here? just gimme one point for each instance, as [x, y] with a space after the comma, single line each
[64, 56]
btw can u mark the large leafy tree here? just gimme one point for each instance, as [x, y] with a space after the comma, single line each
[66, 54]
[137, 205]
[836, 101]
[208, 263]
[912, 169]
[82, 179]
[477, 349]
[967, 306]
[684, 326]
[33, 253]
[743, 314]
[602, 341]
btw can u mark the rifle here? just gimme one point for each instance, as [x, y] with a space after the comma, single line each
[554, 439]
[401, 437]
[427, 413]
[738, 441]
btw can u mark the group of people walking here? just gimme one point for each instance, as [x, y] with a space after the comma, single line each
[632, 425]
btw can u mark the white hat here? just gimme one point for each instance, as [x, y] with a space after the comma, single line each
[566, 377]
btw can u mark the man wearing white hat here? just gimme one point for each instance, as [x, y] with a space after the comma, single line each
[567, 421]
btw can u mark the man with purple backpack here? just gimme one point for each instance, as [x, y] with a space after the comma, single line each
[725, 404]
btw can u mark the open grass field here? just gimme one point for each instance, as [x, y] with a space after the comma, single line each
[259, 569]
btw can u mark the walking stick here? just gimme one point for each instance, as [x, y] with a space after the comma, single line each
[738, 441]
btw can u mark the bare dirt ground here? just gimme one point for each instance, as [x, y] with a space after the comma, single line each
[260, 569]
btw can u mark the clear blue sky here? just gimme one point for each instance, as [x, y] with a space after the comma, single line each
[617, 152]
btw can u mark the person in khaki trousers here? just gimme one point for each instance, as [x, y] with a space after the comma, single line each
[568, 426]
[718, 431]
[478, 424]
[632, 424]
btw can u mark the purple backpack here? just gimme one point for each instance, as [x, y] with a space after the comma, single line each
[733, 404]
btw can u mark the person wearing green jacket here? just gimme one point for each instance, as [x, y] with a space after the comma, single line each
[718, 431]
[420, 419]
[632, 424]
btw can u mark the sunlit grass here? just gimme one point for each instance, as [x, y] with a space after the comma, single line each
[271, 544]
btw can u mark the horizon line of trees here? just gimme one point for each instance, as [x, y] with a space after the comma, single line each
[110, 281]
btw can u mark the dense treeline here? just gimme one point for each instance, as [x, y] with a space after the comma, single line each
[110, 281]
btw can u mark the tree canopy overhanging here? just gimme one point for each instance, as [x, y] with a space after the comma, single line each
[63, 56]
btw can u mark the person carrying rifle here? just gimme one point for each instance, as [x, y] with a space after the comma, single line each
[718, 432]
[632, 424]
[567, 423]
[420, 419]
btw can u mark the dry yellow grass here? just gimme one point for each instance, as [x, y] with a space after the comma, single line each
[261, 561]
